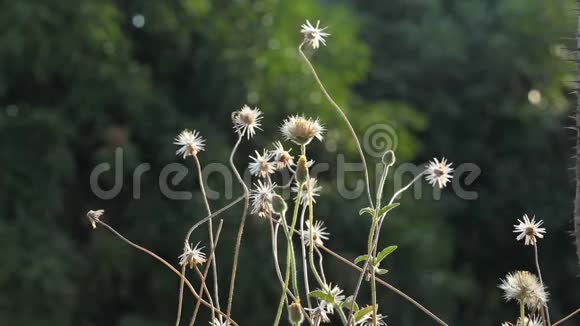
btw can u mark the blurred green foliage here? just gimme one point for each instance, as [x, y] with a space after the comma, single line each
[79, 79]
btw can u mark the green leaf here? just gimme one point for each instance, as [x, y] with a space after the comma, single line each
[361, 313]
[348, 303]
[367, 210]
[322, 296]
[387, 208]
[384, 253]
[361, 258]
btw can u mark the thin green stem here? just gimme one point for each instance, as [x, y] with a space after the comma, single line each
[212, 262]
[180, 300]
[346, 120]
[283, 297]
[388, 286]
[304, 259]
[204, 289]
[240, 229]
[205, 272]
[522, 312]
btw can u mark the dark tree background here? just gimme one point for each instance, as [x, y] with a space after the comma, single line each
[459, 78]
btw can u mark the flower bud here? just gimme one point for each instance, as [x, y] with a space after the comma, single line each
[279, 204]
[389, 158]
[295, 313]
[302, 170]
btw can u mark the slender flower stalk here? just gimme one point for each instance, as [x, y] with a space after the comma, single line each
[240, 229]
[346, 120]
[203, 289]
[207, 268]
[387, 285]
[311, 236]
[168, 265]
[304, 259]
[373, 238]
[213, 262]
[180, 300]
[289, 253]
[545, 309]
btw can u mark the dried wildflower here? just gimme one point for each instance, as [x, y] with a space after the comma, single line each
[337, 298]
[524, 287]
[261, 165]
[531, 321]
[218, 322]
[529, 229]
[192, 257]
[246, 120]
[191, 143]
[318, 315]
[281, 156]
[303, 193]
[314, 35]
[94, 217]
[367, 320]
[318, 233]
[261, 197]
[301, 130]
[439, 173]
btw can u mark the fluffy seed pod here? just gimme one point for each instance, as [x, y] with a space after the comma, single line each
[279, 204]
[295, 313]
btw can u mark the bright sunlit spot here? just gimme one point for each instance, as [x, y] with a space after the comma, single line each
[534, 96]
[138, 21]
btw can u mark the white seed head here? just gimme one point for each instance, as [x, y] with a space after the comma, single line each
[246, 121]
[530, 230]
[439, 172]
[318, 233]
[301, 130]
[336, 294]
[191, 143]
[261, 197]
[94, 217]
[192, 257]
[535, 320]
[524, 287]
[314, 35]
[318, 315]
[282, 157]
[311, 184]
[262, 165]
